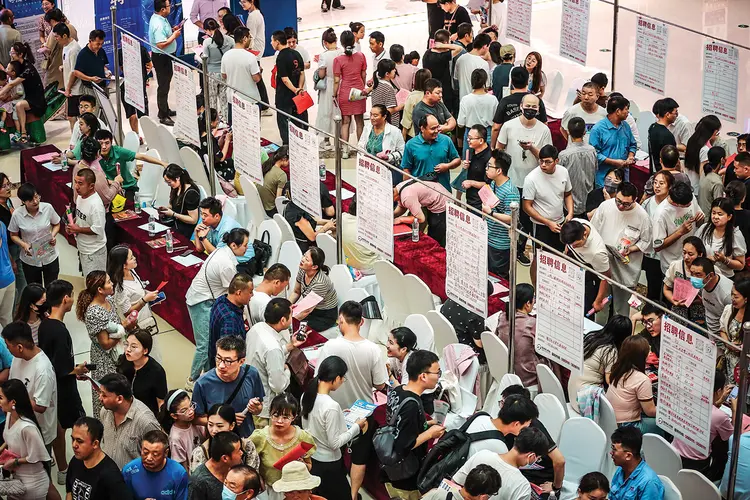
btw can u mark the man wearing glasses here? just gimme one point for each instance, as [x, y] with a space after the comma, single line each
[625, 227]
[231, 382]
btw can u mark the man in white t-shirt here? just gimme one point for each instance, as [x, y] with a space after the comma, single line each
[71, 86]
[588, 109]
[675, 220]
[88, 226]
[274, 282]
[466, 65]
[584, 244]
[32, 367]
[516, 413]
[240, 68]
[681, 129]
[625, 228]
[530, 445]
[716, 291]
[546, 191]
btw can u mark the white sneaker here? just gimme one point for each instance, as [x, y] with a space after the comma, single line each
[266, 112]
[345, 154]
[62, 476]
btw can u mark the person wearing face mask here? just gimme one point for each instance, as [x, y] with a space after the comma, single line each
[613, 139]
[716, 290]
[481, 483]
[242, 483]
[154, 474]
[529, 446]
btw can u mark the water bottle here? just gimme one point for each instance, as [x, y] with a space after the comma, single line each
[117, 166]
[137, 203]
[151, 226]
[64, 161]
[415, 230]
[169, 241]
[322, 171]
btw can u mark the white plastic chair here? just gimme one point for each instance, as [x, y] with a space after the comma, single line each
[342, 281]
[256, 214]
[290, 255]
[635, 110]
[661, 456]
[356, 294]
[555, 84]
[150, 132]
[203, 192]
[573, 92]
[392, 290]
[731, 145]
[445, 334]
[192, 162]
[418, 324]
[549, 383]
[418, 295]
[148, 183]
[161, 199]
[133, 143]
[275, 238]
[492, 400]
[287, 234]
[608, 424]
[583, 445]
[327, 243]
[281, 202]
[670, 489]
[645, 120]
[168, 146]
[695, 486]
[551, 414]
[497, 355]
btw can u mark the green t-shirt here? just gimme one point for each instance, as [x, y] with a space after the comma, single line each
[109, 165]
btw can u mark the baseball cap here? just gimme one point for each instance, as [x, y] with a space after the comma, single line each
[507, 50]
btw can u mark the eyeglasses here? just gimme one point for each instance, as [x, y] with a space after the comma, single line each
[470, 138]
[547, 161]
[623, 204]
[225, 361]
[185, 411]
[438, 373]
[7, 185]
[282, 418]
[648, 322]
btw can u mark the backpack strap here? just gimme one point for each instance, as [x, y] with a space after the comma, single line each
[465, 426]
[392, 421]
[481, 436]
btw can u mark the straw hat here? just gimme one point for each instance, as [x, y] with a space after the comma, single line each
[296, 477]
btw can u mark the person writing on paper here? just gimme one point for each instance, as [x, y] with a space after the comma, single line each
[34, 228]
[692, 248]
[413, 196]
[209, 233]
[184, 198]
[227, 313]
[211, 282]
[313, 278]
[275, 441]
[382, 139]
[88, 225]
[323, 419]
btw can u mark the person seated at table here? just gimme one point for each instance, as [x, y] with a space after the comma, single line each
[34, 227]
[313, 277]
[209, 233]
[630, 388]
[402, 342]
[130, 291]
[114, 161]
[634, 479]
[86, 104]
[89, 126]
[468, 324]
[211, 282]
[357, 255]
[106, 189]
[414, 195]
[274, 179]
[184, 198]
[482, 482]
[306, 227]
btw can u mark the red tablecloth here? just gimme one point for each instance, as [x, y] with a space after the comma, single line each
[154, 266]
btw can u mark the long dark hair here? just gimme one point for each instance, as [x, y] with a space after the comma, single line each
[30, 295]
[536, 73]
[94, 281]
[495, 52]
[318, 257]
[213, 25]
[405, 338]
[175, 172]
[23, 49]
[165, 414]
[92, 121]
[707, 233]
[226, 412]
[742, 286]
[347, 41]
[331, 368]
[274, 158]
[617, 329]
[118, 256]
[231, 23]
[632, 356]
[15, 390]
[704, 129]
[385, 66]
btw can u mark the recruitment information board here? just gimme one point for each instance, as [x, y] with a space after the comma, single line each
[303, 170]
[132, 68]
[518, 25]
[686, 384]
[186, 123]
[246, 140]
[559, 311]
[720, 79]
[651, 39]
[374, 206]
[466, 259]
[574, 30]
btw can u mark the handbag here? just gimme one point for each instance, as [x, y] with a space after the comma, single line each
[302, 102]
[298, 366]
[12, 487]
[320, 83]
[384, 440]
[263, 252]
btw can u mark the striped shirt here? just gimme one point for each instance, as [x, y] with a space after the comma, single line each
[122, 443]
[497, 235]
[320, 284]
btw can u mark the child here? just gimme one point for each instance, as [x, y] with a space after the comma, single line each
[117, 331]
[176, 417]
[711, 184]
[14, 68]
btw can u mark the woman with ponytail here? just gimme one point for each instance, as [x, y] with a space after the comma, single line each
[313, 277]
[384, 90]
[324, 73]
[215, 45]
[34, 100]
[350, 72]
[323, 419]
[401, 343]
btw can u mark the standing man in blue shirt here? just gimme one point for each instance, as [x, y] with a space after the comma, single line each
[162, 38]
[633, 479]
[431, 152]
[613, 140]
[153, 475]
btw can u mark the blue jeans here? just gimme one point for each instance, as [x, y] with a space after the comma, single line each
[645, 425]
[200, 315]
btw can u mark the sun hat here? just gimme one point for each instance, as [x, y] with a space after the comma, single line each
[296, 477]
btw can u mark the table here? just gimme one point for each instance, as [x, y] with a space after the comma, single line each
[154, 265]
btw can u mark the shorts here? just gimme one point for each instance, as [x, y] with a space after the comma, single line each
[498, 261]
[73, 102]
[548, 237]
[69, 409]
[361, 448]
[131, 110]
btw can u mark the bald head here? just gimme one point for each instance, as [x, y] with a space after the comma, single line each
[530, 99]
[530, 106]
[429, 126]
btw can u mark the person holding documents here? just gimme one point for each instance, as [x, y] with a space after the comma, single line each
[162, 37]
[312, 279]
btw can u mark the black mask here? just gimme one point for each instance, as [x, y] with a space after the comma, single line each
[529, 113]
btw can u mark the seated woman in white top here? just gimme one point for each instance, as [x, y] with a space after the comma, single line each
[599, 354]
[23, 438]
[323, 419]
[630, 391]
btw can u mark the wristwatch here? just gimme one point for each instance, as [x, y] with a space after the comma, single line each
[201, 238]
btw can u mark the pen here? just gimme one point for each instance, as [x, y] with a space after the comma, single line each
[604, 303]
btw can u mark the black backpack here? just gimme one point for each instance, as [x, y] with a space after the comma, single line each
[450, 453]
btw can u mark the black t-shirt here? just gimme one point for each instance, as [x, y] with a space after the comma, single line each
[476, 172]
[658, 137]
[293, 214]
[33, 88]
[102, 482]
[742, 221]
[541, 472]
[325, 199]
[729, 174]
[468, 325]
[289, 64]
[183, 204]
[594, 199]
[55, 341]
[653, 341]
[439, 64]
[453, 21]
[149, 383]
[746, 204]
[411, 424]
[91, 64]
[510, 107]
[435, 18]
[5, 216]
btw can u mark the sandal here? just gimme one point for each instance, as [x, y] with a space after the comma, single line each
[23, 139]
